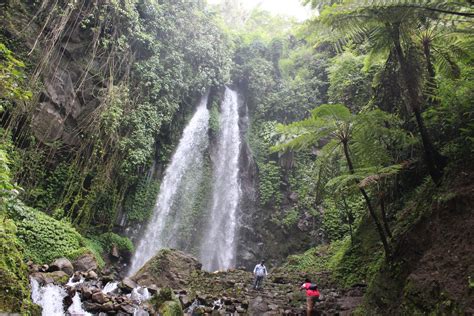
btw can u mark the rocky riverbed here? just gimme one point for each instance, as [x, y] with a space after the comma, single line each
[172, 283]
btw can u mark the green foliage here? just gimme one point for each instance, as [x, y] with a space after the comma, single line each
[145, 62]
[108, 240]
[171, 308]
[14, 282]
[167, 303]
[214, 119]
[269, 183]
[317, 259]
[349, 83]
[290, 218]
[44, 237]
[140, 202]
[452, 119]
[12, 78]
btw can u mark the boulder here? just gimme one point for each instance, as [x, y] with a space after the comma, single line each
[127, 308]
[185, 300]
[62, 264]
[169, 268]
[91, 307]
[127, 285]
[100, 297]
[86, 293]
[91, 275]
[114, 252]
[56, 277]
[107, 307]
[257, 306]
[85, 263]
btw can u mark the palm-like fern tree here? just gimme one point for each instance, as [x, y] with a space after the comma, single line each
[389, 26]
[335, 125]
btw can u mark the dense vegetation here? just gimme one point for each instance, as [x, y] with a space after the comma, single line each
[361, 121]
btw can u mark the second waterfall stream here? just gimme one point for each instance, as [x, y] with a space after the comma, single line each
[181, 188]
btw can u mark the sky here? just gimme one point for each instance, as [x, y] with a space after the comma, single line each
[285, 7]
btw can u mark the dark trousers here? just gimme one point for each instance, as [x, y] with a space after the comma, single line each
[258, 282]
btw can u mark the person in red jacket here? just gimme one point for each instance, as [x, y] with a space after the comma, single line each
[312, 295]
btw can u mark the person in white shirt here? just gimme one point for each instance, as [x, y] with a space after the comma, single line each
[260, 271]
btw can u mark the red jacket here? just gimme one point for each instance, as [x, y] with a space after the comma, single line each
[310, 292]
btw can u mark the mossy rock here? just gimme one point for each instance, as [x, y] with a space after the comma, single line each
[56, 277]
[169, 268]
[14, 283]
[171, 308]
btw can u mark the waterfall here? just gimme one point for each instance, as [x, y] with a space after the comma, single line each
[219, 241]
[110, 287]
[76, 307]
[181, 175]
[49, 297]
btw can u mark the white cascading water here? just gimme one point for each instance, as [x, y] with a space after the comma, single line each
[76, 307]
[110, 287]
[219, 242]
[49, 297]
[188, 156]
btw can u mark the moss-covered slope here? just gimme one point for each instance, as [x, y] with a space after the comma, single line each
[14, 284]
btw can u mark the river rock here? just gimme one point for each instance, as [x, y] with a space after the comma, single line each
[86, 292]
[185, 300]
[114, 252]
[91, 306]
[257, 306]
[169, 267]
[62, 264]
[127, 285]
[57, 277]
[85, 263]
[92, 275]
[100, 297]
[127, 308]
[107, 307]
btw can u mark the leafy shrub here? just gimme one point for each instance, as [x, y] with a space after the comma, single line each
[107, 240]
[139, 205]
[317, 259]
[13, 272]
[269, 184]
[45, 238]
[214, 119]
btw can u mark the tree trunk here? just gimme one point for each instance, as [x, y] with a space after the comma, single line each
[350, 218]
[432, 86]
[372, 213]
[434, 160]
[384, 215]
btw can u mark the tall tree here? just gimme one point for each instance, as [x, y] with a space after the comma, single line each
[334, 125]
[389, 28]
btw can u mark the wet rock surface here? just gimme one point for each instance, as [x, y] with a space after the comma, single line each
[173, 282]
[85, 263]
[172, 268]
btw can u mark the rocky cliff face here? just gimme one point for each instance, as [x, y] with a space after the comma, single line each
[260, 237]
[248, 246]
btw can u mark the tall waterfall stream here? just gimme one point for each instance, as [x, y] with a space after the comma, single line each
[219, 242]
[187, 158]
[180, 187]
